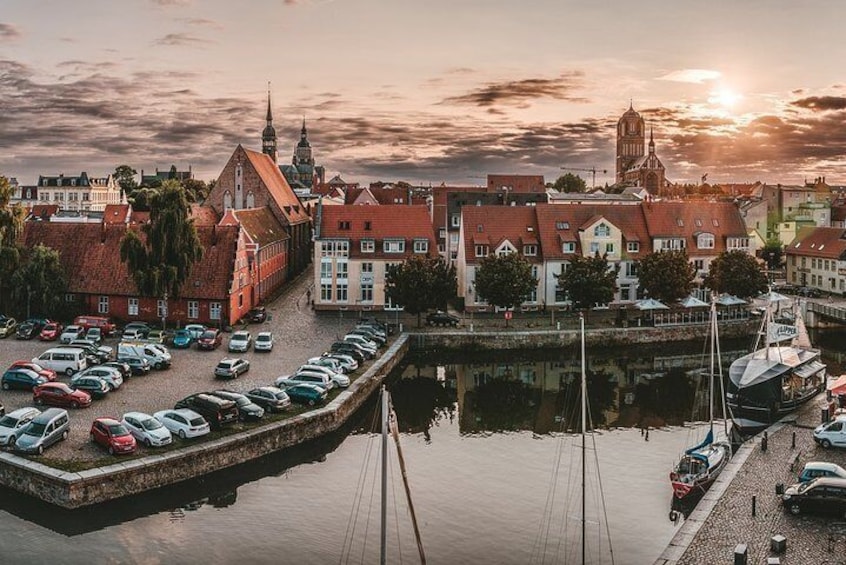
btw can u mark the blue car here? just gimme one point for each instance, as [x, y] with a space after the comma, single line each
[182, 339]
[306, 394]
[21, 378]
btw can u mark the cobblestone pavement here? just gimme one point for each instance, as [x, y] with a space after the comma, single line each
[810, 539]
[299, 333]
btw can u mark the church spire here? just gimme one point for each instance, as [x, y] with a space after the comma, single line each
[269, 113]
[651, 141]
[268, 135]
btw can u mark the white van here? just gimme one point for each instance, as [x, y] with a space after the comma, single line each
[67, 360]
[157, 356]
[832, 433]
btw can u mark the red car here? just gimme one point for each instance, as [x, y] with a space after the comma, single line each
[60, 394]
[210, 339]
[51, 332]
[48, 374]
[112, 435]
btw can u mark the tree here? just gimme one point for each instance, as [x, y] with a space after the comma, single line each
[667, 276]
[420, 283]
[195, 190]
[570, 183]
[504, 280]
[588, 281]
[736, 272]
[11, 226]
[125, 177]
[141, 198]
[772, 253]
[160, 262]
[41, 282]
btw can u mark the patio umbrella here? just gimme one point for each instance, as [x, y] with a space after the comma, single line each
[730, 300]
[838, 386]
[693, 302]
[650, 304]
[773, 296]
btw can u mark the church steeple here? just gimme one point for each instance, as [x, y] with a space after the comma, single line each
[268, 136]
[651, 142]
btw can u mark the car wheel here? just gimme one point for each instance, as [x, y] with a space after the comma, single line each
[64, 435]
[40, 450]
[825, 443]
[111, 450]
[182, 434]
[74, 404]
[795, 509]
[12, 441]
[158, 366]
[112, 387]
[311, 402]
[91, 436]
[6, 386]
[69, 372]
[148, 442]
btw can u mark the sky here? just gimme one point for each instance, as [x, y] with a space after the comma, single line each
[426, 91]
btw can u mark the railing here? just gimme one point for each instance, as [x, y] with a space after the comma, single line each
[828, 310]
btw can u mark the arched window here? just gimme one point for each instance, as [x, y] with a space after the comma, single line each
[227, 200]
[251, 200]
[602, 230]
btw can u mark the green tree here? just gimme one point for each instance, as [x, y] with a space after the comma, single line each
[40, 283]
[420, 283]
[588, 281]
[570, 183]
[160, 262]
[11, 226]
[504, 280]
[772, 253]
[667, 276]
[195, 190]
[736, 272]
[142, 197]
[125, 177]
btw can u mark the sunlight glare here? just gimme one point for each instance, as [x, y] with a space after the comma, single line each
[724, 97]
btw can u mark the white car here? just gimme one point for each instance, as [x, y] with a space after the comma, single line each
[362, 341]
[348, 362]
[264, 341]
[329, 363]
[111, 375]
[340, 380]
[146, 429]
[71, 333]
[12, 424]
[306, 377]
[240, 342]
[183, 422]
[195, 331]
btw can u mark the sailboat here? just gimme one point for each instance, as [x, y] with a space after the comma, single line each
[701, 464]
[775, 379]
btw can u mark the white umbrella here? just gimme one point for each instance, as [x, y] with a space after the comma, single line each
[693, 302]
[773, 296]
[729, 300]
[650, 304]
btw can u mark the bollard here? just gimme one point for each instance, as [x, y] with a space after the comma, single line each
[754, 500]
[778, 544]
[740, 554]
[793, 442]
[764, 443]
[558, 326]
[779, 488]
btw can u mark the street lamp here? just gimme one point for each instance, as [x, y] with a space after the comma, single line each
[470, 295]
[164, 309]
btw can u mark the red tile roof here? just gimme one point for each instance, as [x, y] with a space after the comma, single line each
[203, 215]
[116, 213]
[278, 187]
[562, 222]
[828, 243]
[687, 220]
[517, 183]
[90, 255]
[838, 213]
[261, 225]
[495, 224]
[377, 223]
[44, 211]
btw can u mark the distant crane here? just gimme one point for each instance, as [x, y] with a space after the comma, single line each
[591, 170]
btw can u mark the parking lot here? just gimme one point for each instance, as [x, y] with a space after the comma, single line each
[298, 333]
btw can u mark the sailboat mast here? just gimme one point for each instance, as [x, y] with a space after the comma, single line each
[383, 556]
[584, 434]
[711, 371]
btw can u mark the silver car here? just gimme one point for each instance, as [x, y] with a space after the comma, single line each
[111, 375]
[146, 429]
[264, 341]
[240, 342]
[13, 423]
[44, 430]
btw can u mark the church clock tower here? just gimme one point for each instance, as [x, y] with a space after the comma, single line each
[631, 141]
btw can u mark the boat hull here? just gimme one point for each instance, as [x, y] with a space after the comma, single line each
[688, 486]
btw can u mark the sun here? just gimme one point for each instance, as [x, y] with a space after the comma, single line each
[724, 97]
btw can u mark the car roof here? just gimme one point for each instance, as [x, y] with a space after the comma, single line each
[273, 389]
[830, 481]
[107, 420]
[22, 411]
[49, 414]
[241, 333]
[137, 415]
[823, 465]
[264, 333]
[187, 412]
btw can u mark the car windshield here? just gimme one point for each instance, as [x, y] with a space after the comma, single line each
[239, 337]
[241, 401]
[35, 429]
[8, 422]
[207, 335]
[281, 395]
[225, 365]
[151, 424]
[117, 430]
[182, 333]
[197, 421]
[50, 327]
[263, 338]
[805, 486]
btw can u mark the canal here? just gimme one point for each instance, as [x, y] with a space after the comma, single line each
[493, 467]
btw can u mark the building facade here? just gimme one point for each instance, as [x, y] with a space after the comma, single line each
[817, 259]
[79, 193]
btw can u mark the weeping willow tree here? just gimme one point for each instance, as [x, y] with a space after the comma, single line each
[11, 226]
[160, 263]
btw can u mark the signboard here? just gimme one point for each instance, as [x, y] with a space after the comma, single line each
[781, 332]
[507, 314]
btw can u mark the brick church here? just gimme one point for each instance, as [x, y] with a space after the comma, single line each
[635, 166]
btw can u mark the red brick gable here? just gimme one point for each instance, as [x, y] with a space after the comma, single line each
[278, 187]
[116, 213]
[493, 225]
[828, 243]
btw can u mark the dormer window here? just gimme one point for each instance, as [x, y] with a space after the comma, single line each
[344, 225]
[562, 225]
[530, 250]
[421, 246]
[680, 222]
[368, 246]
[705, 241]
[367, 225]
[480, 228]
[568, 247]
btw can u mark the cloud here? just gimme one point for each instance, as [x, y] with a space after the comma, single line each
[694, 76]
[202, 22]
[9, 32]
[821, 103]
[181, 39]
[171, 2]
[520, 92]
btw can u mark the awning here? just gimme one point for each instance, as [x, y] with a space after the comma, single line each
[693, 302]
[838, 385]
[730, 300]
[806, 371]
[650, 304]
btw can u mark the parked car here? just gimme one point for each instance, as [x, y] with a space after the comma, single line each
[240, 342]
[142, 327]
[264, 341]
[104, 324]
[133, 334]
[48, 374]
[27, 330]
[306, 394]
[348, 362]
[217, 411]
[196, 330]
[124, 368]
[823, 495]
[49, 427]
[51, 331]
[21, 378]
[156, 355]
[368, 334]
[210, 339]
[7, 327]
[257, 315]
[63, 359]
[111, 375]
[95, 386]
[365, 351]
[328, 362]
[71, 333]
[231, 367]
[60, 394]
[13, 423]
[101, 353]
[183, 422]
[146, 429]
[182, 339]
[350, 349]
[319, 379]
[339, 379]
[156, 336]
[440, 318]
[138, 365]
[375, 329]
[94, 335]
[271, 398]
[247, 409]
[832, 433]
[112, 435]
[363, 342]
[814, 469]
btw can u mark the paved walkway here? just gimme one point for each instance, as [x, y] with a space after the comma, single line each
[723, 518]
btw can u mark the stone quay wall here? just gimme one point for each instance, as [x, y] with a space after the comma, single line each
[92, 486]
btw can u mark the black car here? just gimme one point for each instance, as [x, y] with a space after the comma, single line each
[138, 365]
[247, 409]
[823, 495]
[95, 386]
[270, 398]
[217, 411]
[257, 315]
[28, 330]
[348, 349]
[442, 319]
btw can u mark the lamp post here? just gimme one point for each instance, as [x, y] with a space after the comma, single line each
[164, 310]
[470, 295]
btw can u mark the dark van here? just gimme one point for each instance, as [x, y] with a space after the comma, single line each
[217, 411]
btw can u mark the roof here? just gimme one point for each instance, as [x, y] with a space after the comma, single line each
[378, 223]
[261, 225]
[90, 255]
[517, 183]
[44, 211]
[687, 220]
[278, 187]
[828, 243]
[116, 213]
[202, 215]
[493, 225]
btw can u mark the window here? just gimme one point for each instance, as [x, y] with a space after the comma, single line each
[86, 197]
[602, 230]
[335, 248]
[341, 292]
[698, 222]
[193, 309]
[367, 268]
[480, 228]
[530, 250]
[393, 246]
[367, 225]
[367, 292]
[421, 246]
[562, 225]
[161, 308]
[672, 244]
[103, 305]
[680, 222]
[594, 247]
[456, 220]
[215, 310]
[342, 269]
[632, 246]
[326, 292]
[132, 308]
[699, 264]
[568, 247]
[325, 269]
[632, 269]
[344, 225]
[368, 246]
[705, 241]
[609, 248]
[481, 251]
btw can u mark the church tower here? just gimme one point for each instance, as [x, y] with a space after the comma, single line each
[631, 141]
[268, 136]
[302, 154]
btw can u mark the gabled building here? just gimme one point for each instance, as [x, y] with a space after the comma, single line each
[817, 259]
[158, 177]
[354, 245]
[80, 193]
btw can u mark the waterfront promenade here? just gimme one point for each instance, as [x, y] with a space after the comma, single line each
[723, 519]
